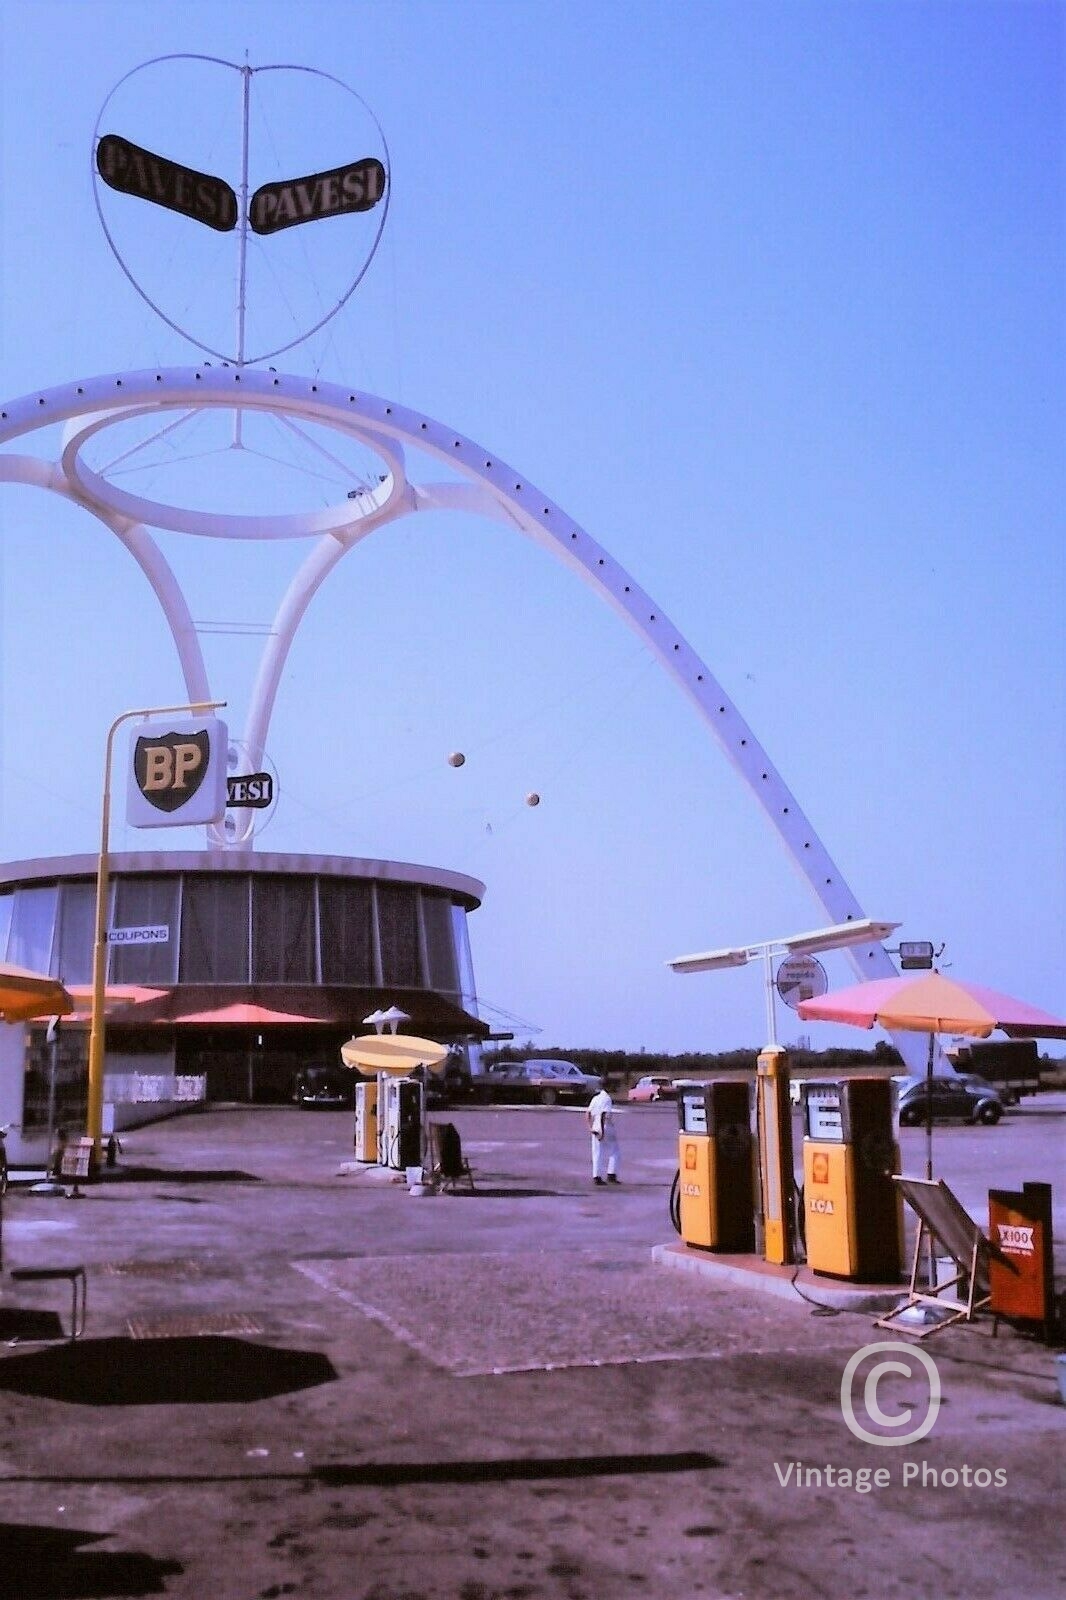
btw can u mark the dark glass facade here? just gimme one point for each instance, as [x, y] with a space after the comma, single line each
[245, 927]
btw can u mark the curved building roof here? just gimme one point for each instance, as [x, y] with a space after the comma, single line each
[469, 891]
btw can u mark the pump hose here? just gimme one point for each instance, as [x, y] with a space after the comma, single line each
[675, 1201]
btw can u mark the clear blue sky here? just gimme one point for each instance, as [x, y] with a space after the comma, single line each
[770, 299]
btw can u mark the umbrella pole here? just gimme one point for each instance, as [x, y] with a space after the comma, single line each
[931, 1265]
[929, 1113]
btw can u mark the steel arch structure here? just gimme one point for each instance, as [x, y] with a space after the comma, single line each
[489, 487]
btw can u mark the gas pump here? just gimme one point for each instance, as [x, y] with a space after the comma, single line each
[714, 1155]
[366, 1120]
[852, 1209]
[400, 1117]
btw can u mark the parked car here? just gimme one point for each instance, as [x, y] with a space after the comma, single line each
[547, 1081]
[955, 1097]
[652, 1088]
[325, 1088]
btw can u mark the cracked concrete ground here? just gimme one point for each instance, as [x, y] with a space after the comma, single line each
[480, 1396]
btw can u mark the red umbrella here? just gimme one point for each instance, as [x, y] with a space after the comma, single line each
[931, 1003]
[116, 995]
[249, 1015]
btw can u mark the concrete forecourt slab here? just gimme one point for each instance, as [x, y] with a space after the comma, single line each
[294, 1382]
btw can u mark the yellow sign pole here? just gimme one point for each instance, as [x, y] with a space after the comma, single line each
[95, 1113]
[775, 1155]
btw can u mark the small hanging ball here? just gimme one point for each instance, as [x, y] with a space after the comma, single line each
[532, 799]
[456, 759]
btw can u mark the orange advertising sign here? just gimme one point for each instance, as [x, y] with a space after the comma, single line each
[1019, 1225]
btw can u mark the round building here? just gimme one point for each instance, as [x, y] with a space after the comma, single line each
[229, 973]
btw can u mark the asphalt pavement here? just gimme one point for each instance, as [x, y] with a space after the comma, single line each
[295, 1381]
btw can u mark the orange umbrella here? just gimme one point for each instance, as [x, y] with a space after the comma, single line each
[25, 994]
[931, 1003]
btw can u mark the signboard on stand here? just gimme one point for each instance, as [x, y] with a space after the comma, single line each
[177, 776]
[1021, 1281]
[800, 978]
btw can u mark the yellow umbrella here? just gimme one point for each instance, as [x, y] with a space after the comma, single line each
[25, 994]
[396, 1053]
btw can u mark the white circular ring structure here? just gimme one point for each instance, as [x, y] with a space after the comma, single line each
[96, 490]
[490, 487]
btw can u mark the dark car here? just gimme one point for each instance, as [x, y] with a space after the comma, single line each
[955, 1098]
[548, 1082]
[325, 1088]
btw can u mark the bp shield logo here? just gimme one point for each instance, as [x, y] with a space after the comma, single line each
[170, 768]
[178, 776]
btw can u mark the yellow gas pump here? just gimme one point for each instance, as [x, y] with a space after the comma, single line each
[366, 1120]
[852, 1209]
[714, 1155]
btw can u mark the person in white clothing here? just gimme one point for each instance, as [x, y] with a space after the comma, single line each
[600, 1118]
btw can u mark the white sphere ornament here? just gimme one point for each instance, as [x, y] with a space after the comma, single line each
[456, 759]
[532, 799]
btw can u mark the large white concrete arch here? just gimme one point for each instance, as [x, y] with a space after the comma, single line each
[490, 487]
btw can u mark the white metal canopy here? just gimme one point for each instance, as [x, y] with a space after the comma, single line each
[490, 487]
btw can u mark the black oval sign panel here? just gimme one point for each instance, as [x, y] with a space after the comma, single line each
[357, 187]
[131, 170]
[254, 789]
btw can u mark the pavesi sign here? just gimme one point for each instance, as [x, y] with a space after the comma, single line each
[131, 170]
[254, 790]
[178, 776]
[357, 187]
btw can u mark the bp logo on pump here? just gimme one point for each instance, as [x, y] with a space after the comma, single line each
[177, 776]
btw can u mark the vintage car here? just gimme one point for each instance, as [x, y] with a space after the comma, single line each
[547, 1082]
[651, 1088]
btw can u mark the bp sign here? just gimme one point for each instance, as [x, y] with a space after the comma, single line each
[177, 776]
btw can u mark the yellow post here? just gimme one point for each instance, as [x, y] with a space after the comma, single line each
[775, 1155]
[94, 1116]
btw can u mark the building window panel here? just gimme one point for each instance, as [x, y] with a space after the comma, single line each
[283, 946]
[467, 990]
[398, 927]
[145, 903]
[33, 922]
[77, 932]
[440, 945]
[346, 931]
[214, 929]
[7, 905]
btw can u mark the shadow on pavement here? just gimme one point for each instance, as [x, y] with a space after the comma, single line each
[383, 1475]
[39, 1563]
[179, 1175]
[498, 1193]
[20, 1323]
[199, 1369]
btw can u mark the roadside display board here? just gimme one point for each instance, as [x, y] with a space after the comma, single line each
[800, 978]
[177, 773]
[1020, 1225]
